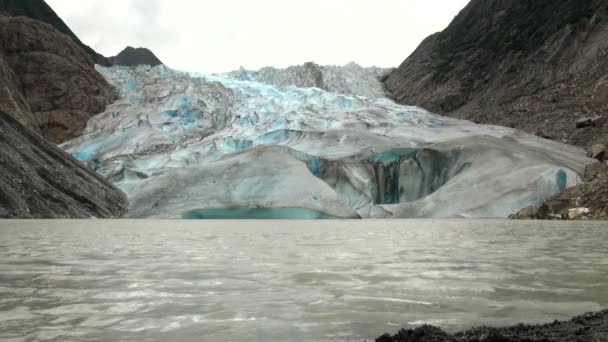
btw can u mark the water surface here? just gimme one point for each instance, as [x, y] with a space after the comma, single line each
[290, 280]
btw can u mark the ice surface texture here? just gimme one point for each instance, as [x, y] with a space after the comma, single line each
[208, 146]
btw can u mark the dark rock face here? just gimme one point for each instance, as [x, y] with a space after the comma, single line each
[41, 181]
[586, 328]
[47, 81]
[135, 56]
[538, 66]
[40, 10]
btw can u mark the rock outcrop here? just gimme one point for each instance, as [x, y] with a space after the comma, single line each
[47, 81]
[538, 66]
[41, 181]
[135, 56]
[41, 11]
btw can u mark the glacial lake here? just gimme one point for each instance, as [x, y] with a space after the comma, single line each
[322, 280]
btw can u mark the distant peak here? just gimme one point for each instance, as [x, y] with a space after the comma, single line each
[131, 56]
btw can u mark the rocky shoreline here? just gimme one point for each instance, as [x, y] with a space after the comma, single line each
[590, 327]
[588, 201]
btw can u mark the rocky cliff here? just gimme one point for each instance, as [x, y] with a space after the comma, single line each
[47, 81]
[536, 65]
[41, 181]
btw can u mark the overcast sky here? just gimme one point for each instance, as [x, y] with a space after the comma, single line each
[222, 35]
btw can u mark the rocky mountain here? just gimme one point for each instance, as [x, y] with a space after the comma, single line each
[135, 56]
[210, 146]
[539, 66]
[41, 181]
[41, 11]
[48, 82]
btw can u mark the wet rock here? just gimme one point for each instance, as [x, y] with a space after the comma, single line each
[41, 181]
[598, 151]
[52, 83]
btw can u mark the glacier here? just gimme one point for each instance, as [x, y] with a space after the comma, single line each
[307, 142]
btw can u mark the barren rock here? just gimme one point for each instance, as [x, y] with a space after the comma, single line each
[50, 82]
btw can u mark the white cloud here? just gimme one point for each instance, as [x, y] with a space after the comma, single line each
[221, 35]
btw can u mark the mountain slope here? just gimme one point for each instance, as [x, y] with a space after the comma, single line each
[536, 65]
[47, 81]
[41, 181]
[40, 10]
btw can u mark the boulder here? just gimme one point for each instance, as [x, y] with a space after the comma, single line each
[589, 122]
[598, 151]
[577, 213]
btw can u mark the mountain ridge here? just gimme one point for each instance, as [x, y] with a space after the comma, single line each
[538, 66]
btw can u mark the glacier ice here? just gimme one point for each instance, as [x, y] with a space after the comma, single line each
[270, 144]
[350, 79]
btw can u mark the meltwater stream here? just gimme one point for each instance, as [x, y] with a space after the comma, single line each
[290, 280]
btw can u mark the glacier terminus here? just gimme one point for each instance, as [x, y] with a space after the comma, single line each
[308, 142]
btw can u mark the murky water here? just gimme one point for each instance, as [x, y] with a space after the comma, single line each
[290, 280]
